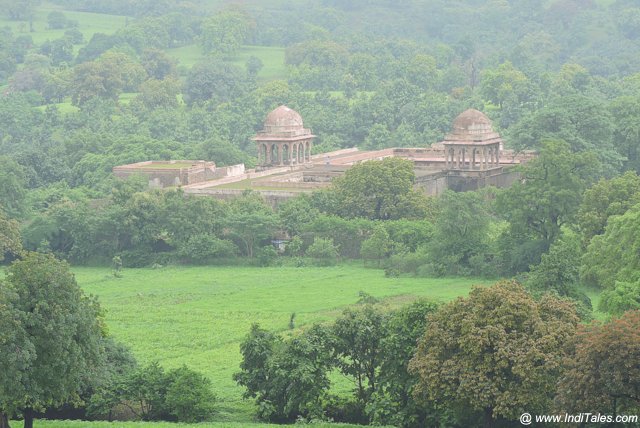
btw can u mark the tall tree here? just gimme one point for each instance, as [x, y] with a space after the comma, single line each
[379, 190]
[61, 330]
[602, 374]
[615, 255]
[546, 198]
[251, 220]
[497, 351]
[604, 199]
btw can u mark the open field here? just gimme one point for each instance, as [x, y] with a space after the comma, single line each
[198, 315]
[88, 24]
[272, 59]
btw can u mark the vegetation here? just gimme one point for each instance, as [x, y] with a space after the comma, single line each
[89, 85]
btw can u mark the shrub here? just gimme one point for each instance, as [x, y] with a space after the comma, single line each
[203, 247]
[189, 397]
[268, 256]
[323, 252]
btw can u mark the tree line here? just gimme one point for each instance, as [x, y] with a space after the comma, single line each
[481, 360]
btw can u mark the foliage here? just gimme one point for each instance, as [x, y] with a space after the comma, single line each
[10, 240]
[214, 80]
[379, 190]
[224, 32]
[546, 198]
[624, 296]
[288, 379]
[12, 187]
[599, 375]
[378, 246]
[189, 397]
[614, 255]
[323, 252]
[201, 248]
[604, 199]
[357, 336]
[498, 351]
[393, 402]
[151, 393]
[58, 327]
[461, 231]
[250, 221]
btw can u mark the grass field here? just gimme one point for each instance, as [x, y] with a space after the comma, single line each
[198, 315]
[272, 59]
[89, 23]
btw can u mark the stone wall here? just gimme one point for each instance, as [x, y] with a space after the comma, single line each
[163, 176]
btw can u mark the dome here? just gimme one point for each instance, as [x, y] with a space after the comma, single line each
[283, 122]
[472, 125]
[283, 119]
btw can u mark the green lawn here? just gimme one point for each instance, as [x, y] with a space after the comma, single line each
[198, 315]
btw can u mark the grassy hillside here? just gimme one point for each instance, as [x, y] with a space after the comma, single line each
[198, 315]
[272, 59]
[88, 23]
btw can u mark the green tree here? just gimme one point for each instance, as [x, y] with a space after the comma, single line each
[378, 246]
[615, 255]
[213, 79]
[601, 375]
[189, 397]
[62, 330]
[158, 64]
[56, 20]
[379, 190]
[323, 252]
[12, 187]
[226, 31]
[497, 351]
[250, 221]
[625, 113]
[393, 403]
[604, 199]
[461, 230]
[546, 198]
[10, 240]
[357, 348]
[287, 379]
[624, 296]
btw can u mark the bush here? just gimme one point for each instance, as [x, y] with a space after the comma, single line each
[268, 256]
[625, 296]
[56, 20]
[323, 252]
[189, 397]
[203, 247]
[152, 394]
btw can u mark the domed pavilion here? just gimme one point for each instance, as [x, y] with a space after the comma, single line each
[472, 143]
[284, 139]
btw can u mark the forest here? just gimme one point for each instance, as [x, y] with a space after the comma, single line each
[87, 85]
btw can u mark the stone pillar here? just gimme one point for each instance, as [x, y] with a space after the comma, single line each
[498, 155]
[464, 155]
[280, 154]
[259, 153]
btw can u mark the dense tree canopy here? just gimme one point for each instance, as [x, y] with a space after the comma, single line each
[497, 351]
[58, 330]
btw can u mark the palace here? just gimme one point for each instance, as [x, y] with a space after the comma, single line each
[470, 157]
